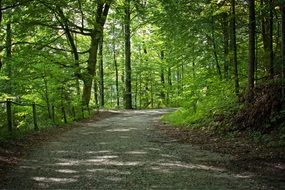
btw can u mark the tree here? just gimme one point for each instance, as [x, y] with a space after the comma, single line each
[251, 49]
[128, 70]
[101, 73]
[234, 46]
[267, 34]
[282, 8]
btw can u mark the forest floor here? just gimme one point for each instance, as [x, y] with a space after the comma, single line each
[134, 150]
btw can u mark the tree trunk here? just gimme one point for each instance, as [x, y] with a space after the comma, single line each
[9, 54]
[46, 96]
[117, 77]
[95, 91]
[267, 35]
[283, 46]
[1, 16]
[169, 86]
[128, 71]
[89, 75]
[215, 47]
[101, 73]
[251, 49]
[96, 34]
[65, 25]
[162, 79]
[234, 46]
[226, 45]
[116, 66]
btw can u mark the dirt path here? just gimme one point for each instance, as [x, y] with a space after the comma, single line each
[124, 152]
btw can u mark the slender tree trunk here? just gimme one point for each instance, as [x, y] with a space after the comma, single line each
[72, 43]
[162, 79]
[128, 71]
[267, 35]
[117, 77]
[95, 91]
[116, 66]
[283, 46]
[101, 73]
[234, 46]
[226, 45]
[46, 96]
[215, 47]
[1, 16]
[251, 49]
[9, 54]
[169, 86]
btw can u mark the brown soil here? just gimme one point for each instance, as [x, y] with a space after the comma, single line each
[266, 162]
[12, 151]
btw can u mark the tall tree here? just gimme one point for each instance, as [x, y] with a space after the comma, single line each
[128, 70]
[225, 25]
[282, 6]
[234, 45]
[9, 52]
[96, 35]
[101, 73]
[251, 49]
[267, 34]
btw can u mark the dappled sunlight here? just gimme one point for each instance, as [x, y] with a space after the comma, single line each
[116, 179]
[121, 130]
[98, 152]
[103, 170]
[135, 158]
[29, 167]
[124, 137]
[243, 176]
[107, 162]
[161, 170]
[153, 149]
[106, 157]
[66, 171]
[167, 156]
[54, 180]
[136, 152]
[66, 162]
[175, 165]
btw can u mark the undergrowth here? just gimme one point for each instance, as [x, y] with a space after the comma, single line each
[262, 119]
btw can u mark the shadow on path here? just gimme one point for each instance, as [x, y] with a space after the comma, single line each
[123, 152]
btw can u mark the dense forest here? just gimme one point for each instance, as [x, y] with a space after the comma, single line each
[217, 60]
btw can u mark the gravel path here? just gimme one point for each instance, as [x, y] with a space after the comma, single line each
[123, 152]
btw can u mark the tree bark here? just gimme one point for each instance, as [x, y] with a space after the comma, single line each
[9, 54]
[251, 49]
[267, 35]
[1, 16]
[234, 46]
[162, 78]
[215, 47]
[116, 76]
[95, 91]
[115, 65]
[283, 46]
[128, 71]
[225, 24]
[169, 86]
[96, 34]
[101, 73]
[65, 25]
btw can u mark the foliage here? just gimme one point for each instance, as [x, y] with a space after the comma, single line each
[181, 56]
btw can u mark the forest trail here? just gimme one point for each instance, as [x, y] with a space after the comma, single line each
[125, 151]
